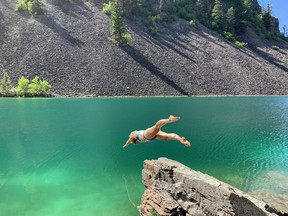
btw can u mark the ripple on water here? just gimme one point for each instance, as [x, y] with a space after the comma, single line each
[68, 157]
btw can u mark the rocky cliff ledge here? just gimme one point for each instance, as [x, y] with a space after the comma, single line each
[174, 189]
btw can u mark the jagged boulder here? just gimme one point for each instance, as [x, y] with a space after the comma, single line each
[174, 189]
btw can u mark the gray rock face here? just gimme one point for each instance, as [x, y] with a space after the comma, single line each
[174, 189]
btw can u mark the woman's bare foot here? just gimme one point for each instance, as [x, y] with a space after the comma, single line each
[173, 118]
[185, 142]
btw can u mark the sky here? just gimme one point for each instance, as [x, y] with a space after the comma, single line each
[279, 10]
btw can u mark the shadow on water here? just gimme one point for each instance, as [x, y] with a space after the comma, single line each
[144, 62]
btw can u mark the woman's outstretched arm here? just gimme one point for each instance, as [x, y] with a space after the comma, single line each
[127, 142]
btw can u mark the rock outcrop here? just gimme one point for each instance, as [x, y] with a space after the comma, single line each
[174, 189]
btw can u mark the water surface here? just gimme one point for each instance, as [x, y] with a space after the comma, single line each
[65, 156]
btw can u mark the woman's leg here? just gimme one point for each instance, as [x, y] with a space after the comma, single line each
[172, 136]
[151, 132]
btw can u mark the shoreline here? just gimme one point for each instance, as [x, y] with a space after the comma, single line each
[160, 96]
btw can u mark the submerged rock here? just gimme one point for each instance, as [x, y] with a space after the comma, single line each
[174, 189]
[273, 188]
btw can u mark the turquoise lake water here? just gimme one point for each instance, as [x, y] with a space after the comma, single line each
[65, 156]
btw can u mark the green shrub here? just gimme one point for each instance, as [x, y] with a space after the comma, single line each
[127, 38]
[214, 26]
[156, 18]
[34, 7]
[107, 8]
[240, 44]
[182, 12]
[193, 23]
[38, 87]
[21, 5]
[152, 19]
[269, 35]
[23, 86]
[45, 87]
[229, 36]
[152, 30]
[6, 88]
[151, 23]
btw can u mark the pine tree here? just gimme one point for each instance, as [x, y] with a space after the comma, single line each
[267, 17]
[217, 15]
[34, 7]
[230, 19]
[118, 30]
[202, 11]
[132, 8]
[38, 87]
[239, 17]
[248, 12]
[5, 85]
[23, 86]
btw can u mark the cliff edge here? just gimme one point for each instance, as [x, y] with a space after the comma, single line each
[174, 189]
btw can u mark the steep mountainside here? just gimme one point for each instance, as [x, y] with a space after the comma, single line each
[69, 47]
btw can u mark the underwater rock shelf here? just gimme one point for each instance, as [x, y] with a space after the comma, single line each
[174, 189]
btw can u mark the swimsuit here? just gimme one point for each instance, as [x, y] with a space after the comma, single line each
[145, 138]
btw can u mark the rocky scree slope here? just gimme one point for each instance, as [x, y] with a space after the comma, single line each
[69, 47]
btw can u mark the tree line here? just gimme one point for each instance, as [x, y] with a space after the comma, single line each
[225, 16]
[25, 88]
[231, 16]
